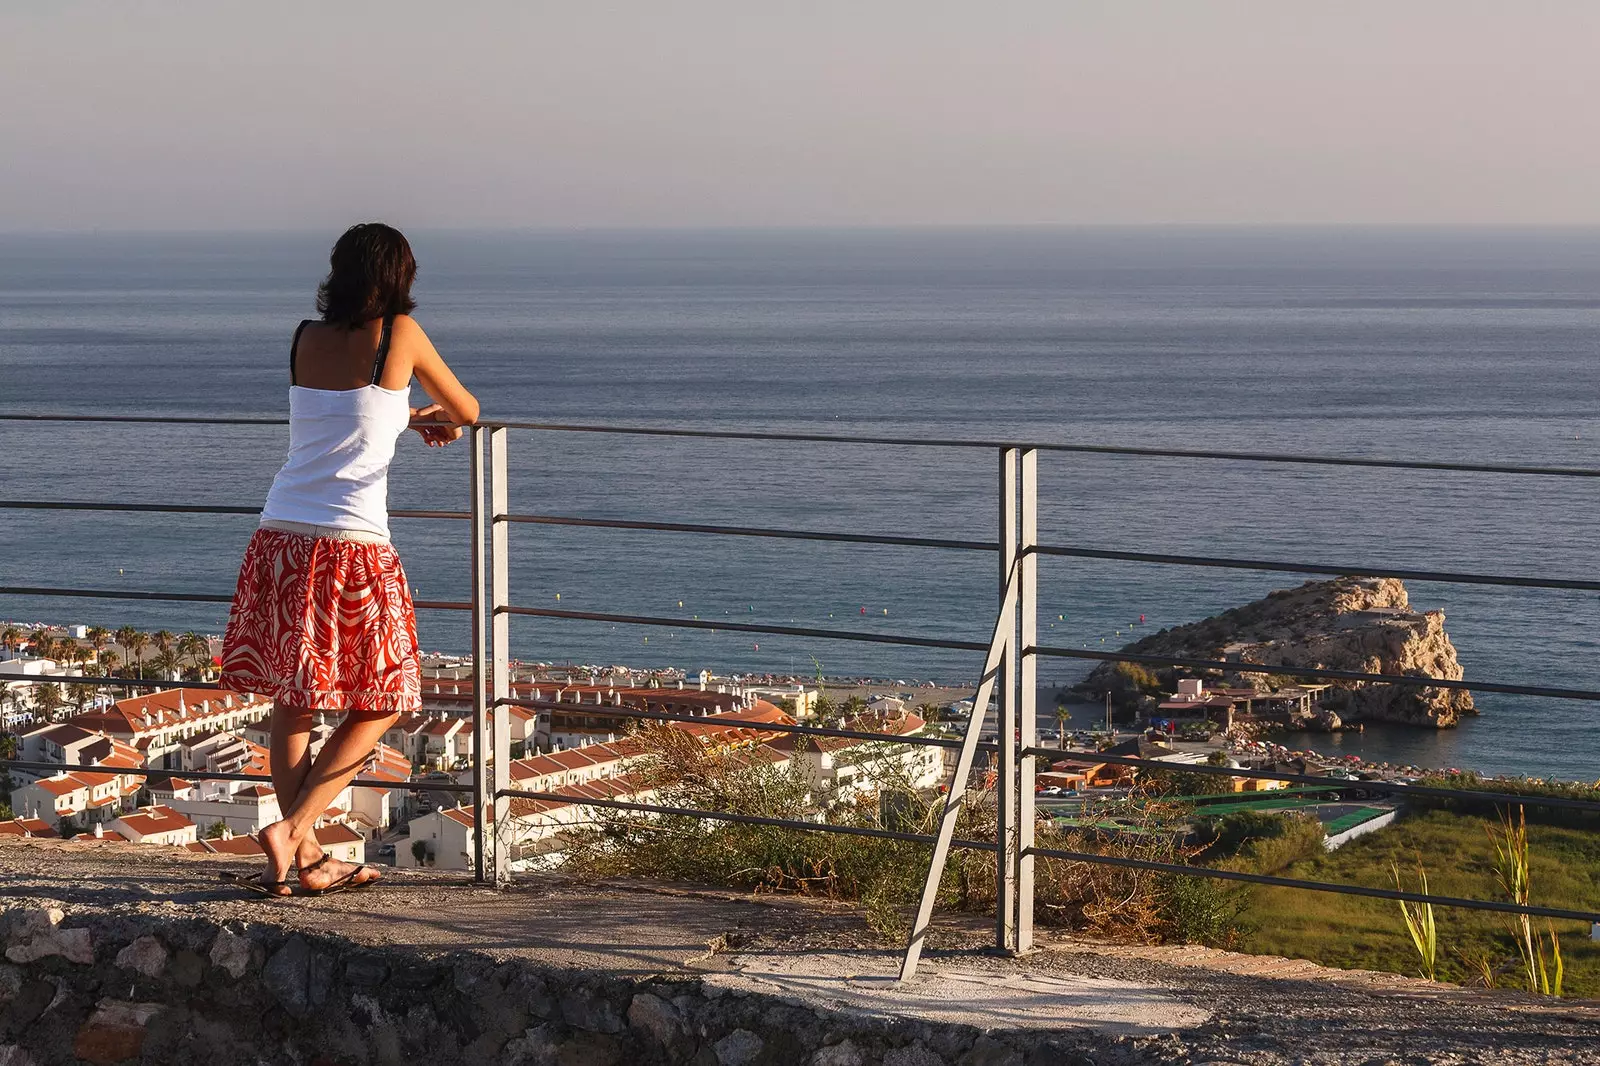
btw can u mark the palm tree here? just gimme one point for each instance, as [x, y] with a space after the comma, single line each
[125, 637]
[138, 643]
[165, 663]
[99, 637]
[197, 650]
[1063, 716]
[110, 660]
[42, 643]
[47, 698]
[163, 641]
[81, 694]
[11, 639]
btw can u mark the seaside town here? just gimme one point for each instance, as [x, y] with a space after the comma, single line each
[564, 744]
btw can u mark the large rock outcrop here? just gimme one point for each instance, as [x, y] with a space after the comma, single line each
[1360, 624]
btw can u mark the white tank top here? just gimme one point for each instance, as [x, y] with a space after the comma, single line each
[341, 442]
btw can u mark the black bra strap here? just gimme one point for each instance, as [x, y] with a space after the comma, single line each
[294, 344]
[383, 348]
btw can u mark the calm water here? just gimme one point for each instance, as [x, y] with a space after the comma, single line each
[1426, 344]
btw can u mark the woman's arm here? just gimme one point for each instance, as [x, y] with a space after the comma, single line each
[451, 401]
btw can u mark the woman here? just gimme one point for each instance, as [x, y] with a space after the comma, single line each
[322, 620]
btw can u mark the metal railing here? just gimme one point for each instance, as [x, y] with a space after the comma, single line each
[1007, 679]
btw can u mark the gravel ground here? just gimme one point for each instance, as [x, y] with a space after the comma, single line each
[1264, 1012]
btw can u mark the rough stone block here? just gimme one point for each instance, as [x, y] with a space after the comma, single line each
[654, 1016]
[365, 971]
[30, 923]
[33, 999]
[114, 1032]
[583, 1008]
[841, 1054]
[188, 969]
[419, 976]
[740, 1048]
[12, 1055]
[915, 1055]
[231, 953]
[536, 1047]
[38, 935]
[589, 1049]
[987, 1051]
[147, 956]
[10, 984]
[287, 975]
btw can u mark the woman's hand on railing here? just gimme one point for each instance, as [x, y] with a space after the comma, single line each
[433, 425]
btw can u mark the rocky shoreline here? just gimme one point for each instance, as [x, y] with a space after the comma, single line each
[1366, 625]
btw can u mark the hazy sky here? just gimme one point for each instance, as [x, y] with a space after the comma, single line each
[273, 114]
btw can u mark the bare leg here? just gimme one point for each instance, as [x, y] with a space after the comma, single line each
[335, 765]
[291, 761]
[291, 752]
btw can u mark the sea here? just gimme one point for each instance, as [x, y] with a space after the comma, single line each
[1477, 345]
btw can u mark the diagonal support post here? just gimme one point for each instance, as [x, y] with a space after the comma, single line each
[1000, 644]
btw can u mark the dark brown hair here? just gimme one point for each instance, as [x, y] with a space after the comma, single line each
[370, 274]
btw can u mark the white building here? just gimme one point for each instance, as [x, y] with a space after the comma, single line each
[155, 825]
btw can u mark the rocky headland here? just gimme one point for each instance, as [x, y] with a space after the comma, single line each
[1358, 624]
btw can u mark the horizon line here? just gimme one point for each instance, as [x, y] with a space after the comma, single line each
[802, 228]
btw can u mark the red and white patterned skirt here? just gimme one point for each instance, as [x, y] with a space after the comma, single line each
[323, 624]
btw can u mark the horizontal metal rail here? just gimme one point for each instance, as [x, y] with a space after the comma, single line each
[176, 508]
[1313, 886]
[1433, 791]
[1083, 449]
[744, 819]
[160, 420]
[182, 597]
[752, 531]
[703, 719]
[1223, 666]
[1443, 577]
[746, 627]
[1062, 551]
[899, 442]
[208, 775]
[121, 682]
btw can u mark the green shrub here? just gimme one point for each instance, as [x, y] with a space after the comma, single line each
[1203, 910]
[1260, 841]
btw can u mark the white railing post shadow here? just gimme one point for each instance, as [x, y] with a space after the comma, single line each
[1014, 878]
[499, 587]
[480, 671]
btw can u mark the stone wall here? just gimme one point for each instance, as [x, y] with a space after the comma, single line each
[86, 986]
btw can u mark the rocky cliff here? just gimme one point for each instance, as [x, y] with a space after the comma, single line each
[1362, 624]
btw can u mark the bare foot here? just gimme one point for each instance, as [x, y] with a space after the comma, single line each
[279, 846]
[320, 875]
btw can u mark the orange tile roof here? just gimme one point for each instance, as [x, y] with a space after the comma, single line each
[24, 827]
[336, 834]
[127, 716]
[148, 820]
[231, 846]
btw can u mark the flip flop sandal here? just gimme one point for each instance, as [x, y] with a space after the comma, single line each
[348, 881]
[253, 883]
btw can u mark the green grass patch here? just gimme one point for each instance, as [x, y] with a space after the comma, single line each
[1356, 933]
